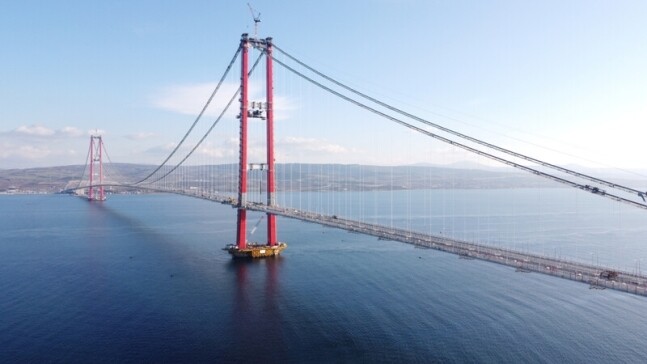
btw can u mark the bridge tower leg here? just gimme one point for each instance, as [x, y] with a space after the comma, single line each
[255, 110]
[241, 226]
[96, 163]
[271, 183]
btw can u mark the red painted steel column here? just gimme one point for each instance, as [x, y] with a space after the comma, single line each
[241, 227]
[269, 84]
[91, 160]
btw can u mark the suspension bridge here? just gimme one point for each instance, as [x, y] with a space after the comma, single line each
[339, 196]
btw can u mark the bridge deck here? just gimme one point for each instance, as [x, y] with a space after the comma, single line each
[595, 276]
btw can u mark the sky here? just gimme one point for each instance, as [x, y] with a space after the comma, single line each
[563, 81]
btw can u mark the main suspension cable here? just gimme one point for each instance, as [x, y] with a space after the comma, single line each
[463, 146]
[212, 125]
[108, 170]
[222, 79]
[641, 194]
[87, 159]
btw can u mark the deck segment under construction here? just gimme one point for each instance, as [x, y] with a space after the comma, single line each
[595, 276]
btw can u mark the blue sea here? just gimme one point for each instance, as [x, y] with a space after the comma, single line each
[142, 278]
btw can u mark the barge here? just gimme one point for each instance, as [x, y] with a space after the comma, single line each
[254, 250]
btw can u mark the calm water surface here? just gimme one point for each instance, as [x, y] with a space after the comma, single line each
[143, 278]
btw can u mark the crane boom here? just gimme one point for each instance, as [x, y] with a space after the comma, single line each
[257, 19]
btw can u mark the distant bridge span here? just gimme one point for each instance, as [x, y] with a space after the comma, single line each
[135, 187]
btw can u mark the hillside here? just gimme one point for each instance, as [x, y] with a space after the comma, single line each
[333, 177]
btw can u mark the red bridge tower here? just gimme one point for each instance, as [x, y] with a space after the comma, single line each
[96, 169]
[273, 247]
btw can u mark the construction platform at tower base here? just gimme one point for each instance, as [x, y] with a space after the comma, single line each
[254, 250]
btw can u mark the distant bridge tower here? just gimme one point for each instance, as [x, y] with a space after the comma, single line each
[96, 169]
[263, 111]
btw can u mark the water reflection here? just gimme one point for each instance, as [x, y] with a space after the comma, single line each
[256, 314]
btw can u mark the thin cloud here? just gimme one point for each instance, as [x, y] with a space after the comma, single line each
[96, 132]
[39, 145]
[33, 130]
[190, 99]
[38, 131]
[141, 136]
[161, 149]
[313, 144]
[70, 131]
[217, 153]
[293, 149]
[31, 152]
[25, 151]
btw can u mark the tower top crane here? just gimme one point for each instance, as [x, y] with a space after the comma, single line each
[257, 19]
